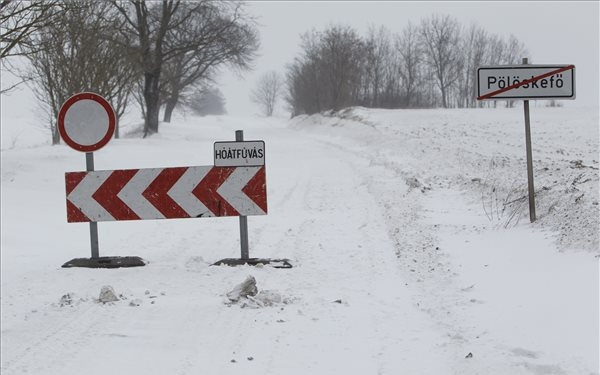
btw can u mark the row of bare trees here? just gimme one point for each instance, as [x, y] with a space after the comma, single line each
[431, 64]
[159, 53]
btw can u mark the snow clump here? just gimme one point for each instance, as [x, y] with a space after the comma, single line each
[107, 294]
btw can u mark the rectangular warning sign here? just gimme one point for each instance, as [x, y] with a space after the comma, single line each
[239, 154]
[526, 82]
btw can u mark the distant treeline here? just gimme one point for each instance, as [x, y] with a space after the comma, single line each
[432, 64]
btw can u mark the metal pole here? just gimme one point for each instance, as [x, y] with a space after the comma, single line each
[89, 164]
[530, 185]
[239, 136]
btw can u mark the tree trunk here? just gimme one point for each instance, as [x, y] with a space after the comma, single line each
[152, 109]
[55, 136]
[116, 135]
[170, 106]
[444, 99]
[152, 99]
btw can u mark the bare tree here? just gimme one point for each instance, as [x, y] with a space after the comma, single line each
[76, 55]
[267, 91]
[341, 59]
[304, 78]
[479, 56]
[440, 36]
[302, 95]
[164, 32]
[18, 20]
[223, 35]
[515, 51]
[496, 50]
[328, 75]
[377, 59]
[411, 58]
[206, 100]
[474, 47]
[149, 27]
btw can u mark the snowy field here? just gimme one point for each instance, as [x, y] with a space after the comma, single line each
[408, 231]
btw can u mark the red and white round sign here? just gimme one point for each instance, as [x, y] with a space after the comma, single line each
[86, 122]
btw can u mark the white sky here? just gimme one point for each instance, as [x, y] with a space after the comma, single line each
[554, 33]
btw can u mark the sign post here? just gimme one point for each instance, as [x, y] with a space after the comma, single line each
[526, 82]
[89, 166]
[245, 155]
[238, 154]
[239, 137]
[86, 122]
[530, 186]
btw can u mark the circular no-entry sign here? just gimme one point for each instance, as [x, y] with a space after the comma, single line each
[86, 122]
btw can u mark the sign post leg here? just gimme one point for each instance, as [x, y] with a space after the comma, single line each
[530, 185]
[239, 136]
[89, 164]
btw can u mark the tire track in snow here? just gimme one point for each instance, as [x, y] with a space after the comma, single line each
[432, 277]
[68, 333]
[342, 257]
[426, 270]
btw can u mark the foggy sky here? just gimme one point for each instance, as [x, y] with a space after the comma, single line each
[553, 32]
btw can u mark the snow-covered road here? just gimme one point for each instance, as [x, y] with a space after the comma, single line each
[397, 268]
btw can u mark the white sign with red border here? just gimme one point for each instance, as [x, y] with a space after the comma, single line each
[526, 82]
[86, 122]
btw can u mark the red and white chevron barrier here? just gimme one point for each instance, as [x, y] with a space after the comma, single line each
[165, 193]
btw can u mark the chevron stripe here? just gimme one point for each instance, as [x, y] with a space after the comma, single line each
[74, 214]
[156, 193]
[231, 188]
[131, 194]
[165, 193]
[256, 189]
[181, 192]
[207, 193]
[106, 195]
[81, 198]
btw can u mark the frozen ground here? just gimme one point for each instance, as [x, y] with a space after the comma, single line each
[406, 259]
